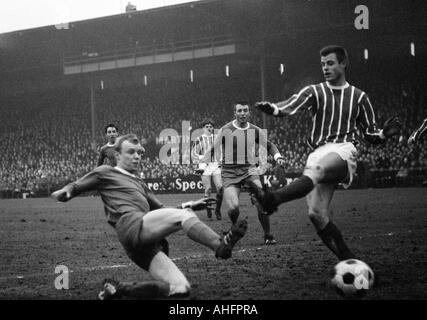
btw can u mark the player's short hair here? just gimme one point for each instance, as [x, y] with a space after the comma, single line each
[110, 125]
[241, 102]
[132, 138]
[339, 51]
[208, 121]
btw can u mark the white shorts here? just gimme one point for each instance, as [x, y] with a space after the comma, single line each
[346, 150]
[212, 169]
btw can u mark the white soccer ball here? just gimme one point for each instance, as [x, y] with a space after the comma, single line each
[352, 278]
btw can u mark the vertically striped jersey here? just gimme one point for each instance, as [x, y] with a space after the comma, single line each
[202, 145]
[337, 112]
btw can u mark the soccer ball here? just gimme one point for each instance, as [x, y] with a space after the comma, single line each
[352, 278]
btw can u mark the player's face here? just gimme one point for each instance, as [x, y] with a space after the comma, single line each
[112, 134]
[241, 112]
[333, 71]
[208, 129]
[130, 156]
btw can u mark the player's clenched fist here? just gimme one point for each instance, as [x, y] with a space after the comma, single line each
[266, 107]
[392, 126]
[61, 195]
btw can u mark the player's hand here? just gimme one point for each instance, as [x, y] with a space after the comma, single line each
[280, 161]
[392, 126]
[265, 106]
[61, 195]
[200, 204]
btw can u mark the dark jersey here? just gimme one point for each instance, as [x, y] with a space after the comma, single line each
[240, 148]
[120, 192]
[107, 155]
[337, 113]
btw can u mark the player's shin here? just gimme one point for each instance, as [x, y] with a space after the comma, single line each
[233, 213]
[333, 239]
[199, 232]
[219, 196]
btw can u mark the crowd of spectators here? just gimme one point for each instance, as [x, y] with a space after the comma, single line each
[47, 140]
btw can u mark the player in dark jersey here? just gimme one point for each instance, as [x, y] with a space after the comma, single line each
[210, 172]
[142, 223]
[418, 132]
[238, 143]
[338, 110]
[107, 153]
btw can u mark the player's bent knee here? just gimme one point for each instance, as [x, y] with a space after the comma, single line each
[315, 172]
[318, 216]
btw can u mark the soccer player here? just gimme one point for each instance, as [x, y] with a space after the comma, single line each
[238, 142]
[107, 153]
[142, 223]
[210, 171]
[418, 132]
[338, 109]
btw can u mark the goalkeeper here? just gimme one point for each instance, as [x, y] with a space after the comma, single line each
[142, 223]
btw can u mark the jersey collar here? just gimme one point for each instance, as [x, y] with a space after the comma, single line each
[124, 171]
[237, 127]
[344, 86]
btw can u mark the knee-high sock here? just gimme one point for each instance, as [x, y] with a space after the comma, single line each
[296, 189]
[333, 239]
[201, 233]
[145, 290]
[264, 220]
[234, 215]
[219, 196]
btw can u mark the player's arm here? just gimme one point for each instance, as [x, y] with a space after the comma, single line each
[197, 150]
[88, 182]
[418, 132]
[367, 123]
[271, 147]
[301, 101]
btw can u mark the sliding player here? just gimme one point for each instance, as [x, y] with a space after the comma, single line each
[142, 223]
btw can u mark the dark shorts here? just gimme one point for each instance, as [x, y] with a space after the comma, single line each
[129, 230]
[237, 176]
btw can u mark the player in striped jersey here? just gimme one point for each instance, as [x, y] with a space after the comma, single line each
[107, 153]
[339, 110]
[238, 143]
[142, 223]
[418, 132]
[210, 171]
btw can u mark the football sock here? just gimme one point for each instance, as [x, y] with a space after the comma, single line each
[148, 289]
[295, 190]
[264, 220]
[219, 196]
[334, 240]
[201, 233]
[234, 215]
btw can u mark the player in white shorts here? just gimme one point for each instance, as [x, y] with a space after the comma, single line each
[339, 112]
[211, 171]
